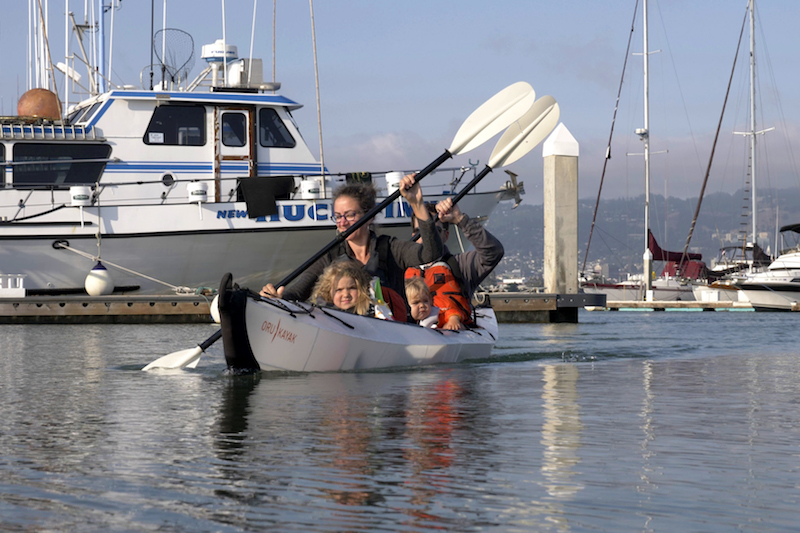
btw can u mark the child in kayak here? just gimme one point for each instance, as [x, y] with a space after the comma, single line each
[419, 300]
[346, 285]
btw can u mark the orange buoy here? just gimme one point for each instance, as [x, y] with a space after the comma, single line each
[41, 103]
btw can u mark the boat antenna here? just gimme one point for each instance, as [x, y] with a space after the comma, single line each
[152, 44]
[163, 46]
[610, 135]
[713, 148]
[316, 79]
[252, 39]
[49, 58]
[224, 47]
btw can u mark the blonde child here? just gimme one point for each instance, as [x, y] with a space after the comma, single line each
[419, 300]
[345, 285]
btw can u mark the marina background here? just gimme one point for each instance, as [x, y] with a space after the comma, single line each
[627, 421]
[619, 231]
[396, 79]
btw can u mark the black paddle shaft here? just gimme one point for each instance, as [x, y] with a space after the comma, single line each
[463, 192]
[471, 185]
[340, 237]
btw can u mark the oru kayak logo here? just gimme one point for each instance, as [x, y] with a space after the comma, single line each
[278, 332]
[311, 212]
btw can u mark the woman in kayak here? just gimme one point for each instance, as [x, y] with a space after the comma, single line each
[385, 257]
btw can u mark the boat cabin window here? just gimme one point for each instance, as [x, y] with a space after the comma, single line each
[177, 125]
[83, 114]
[234, 129]
[58, 164]
[272, 132]
[790, 238]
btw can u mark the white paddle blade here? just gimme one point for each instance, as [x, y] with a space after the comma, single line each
[522, 136]
[181, 359]
[493, 116]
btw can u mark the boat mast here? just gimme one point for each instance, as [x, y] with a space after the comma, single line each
[645, 136]
[753, 118]
[101, 46]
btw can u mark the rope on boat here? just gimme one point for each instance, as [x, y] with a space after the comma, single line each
[326, 313]
[277, 303]
[178, 290]
[610, 136]
[713, 149]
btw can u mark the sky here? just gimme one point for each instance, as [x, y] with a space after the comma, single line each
[397, 79]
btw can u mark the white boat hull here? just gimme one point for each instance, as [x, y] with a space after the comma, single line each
[711, 293]
[272, 334]
[777, 288]
[663, 291]
[160, 193]
[181, 245]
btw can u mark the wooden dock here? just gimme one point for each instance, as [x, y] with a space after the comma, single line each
[75, 309]
[539, 307]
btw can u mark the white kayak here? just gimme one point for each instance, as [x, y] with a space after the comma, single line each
[274, 334]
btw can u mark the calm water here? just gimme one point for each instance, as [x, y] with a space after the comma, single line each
[668, 422]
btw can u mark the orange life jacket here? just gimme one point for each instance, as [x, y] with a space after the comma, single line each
[445, 290]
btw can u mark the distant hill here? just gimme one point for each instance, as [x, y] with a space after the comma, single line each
[618, 239]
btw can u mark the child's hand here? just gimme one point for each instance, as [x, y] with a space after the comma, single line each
[453, 323]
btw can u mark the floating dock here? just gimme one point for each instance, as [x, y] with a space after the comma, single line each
[672, 306]
[75, 309]
[539, 307]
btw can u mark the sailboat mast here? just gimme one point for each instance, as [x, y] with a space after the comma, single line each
[753, 118]
[645, 136]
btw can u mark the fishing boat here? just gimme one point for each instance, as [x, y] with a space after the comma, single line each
[778, 287]
[169, 187]
[272, 334]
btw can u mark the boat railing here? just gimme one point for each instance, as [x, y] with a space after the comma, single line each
[26, 131]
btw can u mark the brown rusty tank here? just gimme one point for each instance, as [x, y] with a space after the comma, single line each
[40, 103]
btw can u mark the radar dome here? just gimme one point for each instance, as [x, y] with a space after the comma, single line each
[41, 103]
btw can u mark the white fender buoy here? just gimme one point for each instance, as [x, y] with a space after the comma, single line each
[214, 308]
[99, 282]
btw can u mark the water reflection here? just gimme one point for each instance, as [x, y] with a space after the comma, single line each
[646, 486]
[561, 431]
[354, 442]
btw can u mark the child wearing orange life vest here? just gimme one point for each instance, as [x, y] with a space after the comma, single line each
[472, 267]
[453, 306]
[420, 303]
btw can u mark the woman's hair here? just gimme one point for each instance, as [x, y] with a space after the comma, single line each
[337, 270]
[363, 193]
[416, 286]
